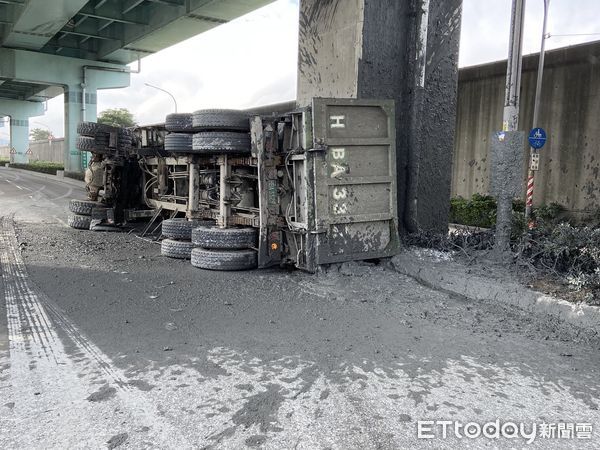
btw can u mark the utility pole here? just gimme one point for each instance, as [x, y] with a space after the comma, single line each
[534, 154]
[510, 117]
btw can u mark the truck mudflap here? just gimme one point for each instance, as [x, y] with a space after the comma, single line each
[350, 183]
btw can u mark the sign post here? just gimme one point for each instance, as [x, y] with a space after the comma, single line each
[537, 139]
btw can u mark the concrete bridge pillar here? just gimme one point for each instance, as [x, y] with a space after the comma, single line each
[402, 50]
[19, 139]
[19, 113]
[79, 106]
[80, 79]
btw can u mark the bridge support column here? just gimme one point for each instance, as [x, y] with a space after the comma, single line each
[19, 139]
[401, 50]
[19, 112]
[77, 109]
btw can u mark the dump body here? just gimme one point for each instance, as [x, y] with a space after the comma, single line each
[350, 176]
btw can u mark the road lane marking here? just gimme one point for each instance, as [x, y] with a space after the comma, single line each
[69, 192]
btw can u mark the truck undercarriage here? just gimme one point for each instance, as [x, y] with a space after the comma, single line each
[317, 185]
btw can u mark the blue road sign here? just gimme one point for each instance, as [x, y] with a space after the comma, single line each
[537, 138]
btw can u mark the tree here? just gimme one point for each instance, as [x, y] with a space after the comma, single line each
[117, 117]
[39, 134]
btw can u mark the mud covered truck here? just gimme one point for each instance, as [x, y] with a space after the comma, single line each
[239, 190]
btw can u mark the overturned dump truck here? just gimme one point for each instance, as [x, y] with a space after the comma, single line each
[310, 187]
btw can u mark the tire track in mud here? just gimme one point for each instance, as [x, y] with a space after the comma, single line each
[41, 368]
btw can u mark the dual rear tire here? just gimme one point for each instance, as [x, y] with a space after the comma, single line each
[224, 248]
[81, 213]
[213, 259]
[79, 222]
[209, 132]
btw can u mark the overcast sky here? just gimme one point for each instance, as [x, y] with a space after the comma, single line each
[221, 68]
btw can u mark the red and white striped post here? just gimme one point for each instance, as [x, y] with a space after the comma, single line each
[529, 199]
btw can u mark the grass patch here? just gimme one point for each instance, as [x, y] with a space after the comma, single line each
[40, 166]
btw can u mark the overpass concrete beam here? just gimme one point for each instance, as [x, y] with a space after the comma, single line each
[171, 21]
[36, 22]
[19, 113]
[49, 69]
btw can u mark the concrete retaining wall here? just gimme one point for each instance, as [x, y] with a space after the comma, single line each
[570, 107]
[52, 151]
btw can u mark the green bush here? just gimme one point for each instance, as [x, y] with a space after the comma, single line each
[548, 213]
[75, 175]
[40, 166]
[480, 211]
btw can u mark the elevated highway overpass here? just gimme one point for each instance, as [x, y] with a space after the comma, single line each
[48, 47]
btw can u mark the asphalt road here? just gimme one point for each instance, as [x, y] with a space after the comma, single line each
[103, 343]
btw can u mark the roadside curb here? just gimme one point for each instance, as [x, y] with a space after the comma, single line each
[456, 278]
[47, 176]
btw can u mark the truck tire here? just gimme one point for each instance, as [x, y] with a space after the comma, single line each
[87, 144]
[178, 142]
[83, 207]
[224, 259]
[101, 133]
[221, 142]
[221, 119]
[125, 138]
[181, 228]
[181, 123]
[224, 238]
[176, 249]
[79, 222]
[91, 129]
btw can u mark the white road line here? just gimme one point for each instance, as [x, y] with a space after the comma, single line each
[69, 192]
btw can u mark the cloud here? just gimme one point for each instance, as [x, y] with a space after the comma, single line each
[252, 60]
[486, 27]
[220, 68]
